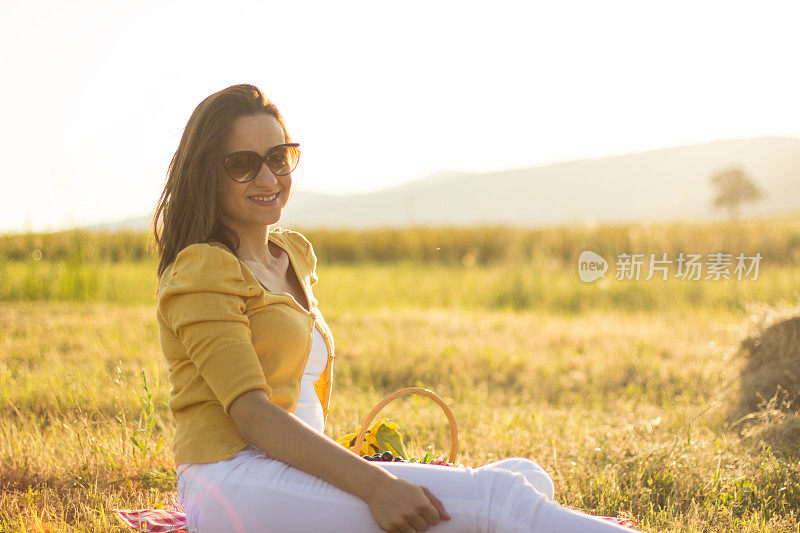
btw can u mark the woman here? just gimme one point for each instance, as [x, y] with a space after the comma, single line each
[251, 361]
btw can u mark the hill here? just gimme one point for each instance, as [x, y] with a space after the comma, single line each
[656, 185]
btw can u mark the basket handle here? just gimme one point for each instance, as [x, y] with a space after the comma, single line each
[405, 392]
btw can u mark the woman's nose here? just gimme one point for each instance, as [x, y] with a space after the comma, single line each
[265, 176]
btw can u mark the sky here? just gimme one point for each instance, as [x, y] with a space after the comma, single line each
[95, 95]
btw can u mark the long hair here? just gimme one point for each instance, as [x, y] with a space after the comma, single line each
[188, 210]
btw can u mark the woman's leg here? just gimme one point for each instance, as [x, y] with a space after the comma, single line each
[253, 492]
[534, 474]
[499, 497]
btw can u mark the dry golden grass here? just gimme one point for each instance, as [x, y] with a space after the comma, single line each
[626, 410]
[623, 391]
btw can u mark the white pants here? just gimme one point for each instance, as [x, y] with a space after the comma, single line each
[252, 492]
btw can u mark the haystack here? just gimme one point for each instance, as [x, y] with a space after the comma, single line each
[771, 355]
[768, 410]
[776, 425]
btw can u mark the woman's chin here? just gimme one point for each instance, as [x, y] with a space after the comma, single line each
[258, 222]
[268, 221]
[271, 216]
[257, 217]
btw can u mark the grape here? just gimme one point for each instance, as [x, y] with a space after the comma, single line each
[386, 456]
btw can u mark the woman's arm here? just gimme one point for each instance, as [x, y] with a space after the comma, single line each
[396, 504]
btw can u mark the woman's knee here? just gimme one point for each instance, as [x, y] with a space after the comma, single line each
[533, 472]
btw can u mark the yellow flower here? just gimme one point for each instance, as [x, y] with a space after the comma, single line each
[376, 425]
[348, 441]
[368, 447]
[382, 436]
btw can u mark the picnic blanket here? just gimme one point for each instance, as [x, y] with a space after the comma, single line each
[153, 520]
[168, 521]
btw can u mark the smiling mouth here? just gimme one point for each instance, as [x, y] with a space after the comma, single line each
[265, 200]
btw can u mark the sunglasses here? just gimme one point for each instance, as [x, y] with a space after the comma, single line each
[244, 166]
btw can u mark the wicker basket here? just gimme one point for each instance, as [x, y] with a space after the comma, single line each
[365, 424]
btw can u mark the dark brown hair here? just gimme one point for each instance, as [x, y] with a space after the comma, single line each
[188, 211]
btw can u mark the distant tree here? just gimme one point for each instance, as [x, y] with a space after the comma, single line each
[733, 187]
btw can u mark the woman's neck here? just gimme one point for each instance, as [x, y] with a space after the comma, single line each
[253, 244]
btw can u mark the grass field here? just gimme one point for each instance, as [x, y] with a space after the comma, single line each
[623, 391]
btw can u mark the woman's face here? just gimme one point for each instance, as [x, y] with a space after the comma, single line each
[250, 203]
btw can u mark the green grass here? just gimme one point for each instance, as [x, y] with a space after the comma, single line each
[529, 285]
[121, 283]
[776, 237]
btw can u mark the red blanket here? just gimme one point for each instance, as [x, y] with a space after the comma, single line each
[164, 521]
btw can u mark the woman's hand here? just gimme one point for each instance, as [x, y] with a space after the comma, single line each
[399, 506]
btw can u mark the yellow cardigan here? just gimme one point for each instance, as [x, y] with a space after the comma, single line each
[223, 334]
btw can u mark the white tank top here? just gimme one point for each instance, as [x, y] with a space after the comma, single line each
[309, 408]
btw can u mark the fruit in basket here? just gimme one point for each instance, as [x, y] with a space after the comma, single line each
[431, 459]
[441, 460]
[385, 457]
[383, 442]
